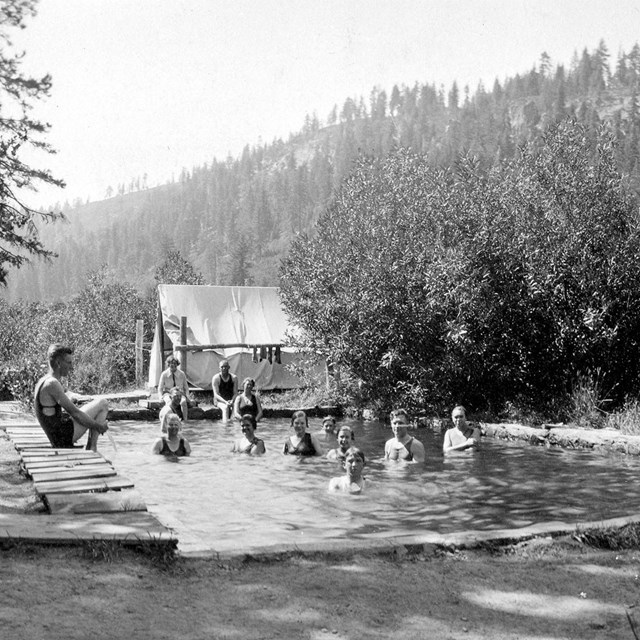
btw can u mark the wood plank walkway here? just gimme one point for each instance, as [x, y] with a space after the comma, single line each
[86, 497]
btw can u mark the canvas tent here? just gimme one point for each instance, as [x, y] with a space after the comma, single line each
[249, 318]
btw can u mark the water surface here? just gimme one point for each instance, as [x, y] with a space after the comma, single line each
[231, 502]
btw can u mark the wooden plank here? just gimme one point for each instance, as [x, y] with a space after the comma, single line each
[60, 458]
[24, 431]
[16, 424]
[81, 486]
[129, 527]
[21, 446]
[109, 501]
[64, 463]
[102, 471]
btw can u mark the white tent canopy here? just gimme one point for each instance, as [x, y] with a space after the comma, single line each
[224, 316]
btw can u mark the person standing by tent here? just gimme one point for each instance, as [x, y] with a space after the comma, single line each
[225, 389]
[50, 399]
[173, 377]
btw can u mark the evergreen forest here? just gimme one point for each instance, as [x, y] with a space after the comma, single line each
[235, 219]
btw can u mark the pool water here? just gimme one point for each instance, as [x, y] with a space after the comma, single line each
[231, 502]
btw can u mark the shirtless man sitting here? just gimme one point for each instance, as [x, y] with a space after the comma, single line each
[225, 389]
[50, 400]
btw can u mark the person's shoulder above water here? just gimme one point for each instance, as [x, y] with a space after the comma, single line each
[463, 436]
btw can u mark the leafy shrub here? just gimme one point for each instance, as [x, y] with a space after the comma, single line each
[433, 287]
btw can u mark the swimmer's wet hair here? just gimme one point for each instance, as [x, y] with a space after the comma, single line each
[358, 453]
[396, 413]
[349, 429]
[459, 407]
[251, 418]
[299, 414]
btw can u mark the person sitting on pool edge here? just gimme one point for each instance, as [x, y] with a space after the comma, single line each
[463, 435]
[50, 399]
[403, 446]
[302, 443]
[173, 377]
[247, 401]
[249, 443]
[225, 389]
[353, 480]
[173, 407]
[172, 446]
[345, 440]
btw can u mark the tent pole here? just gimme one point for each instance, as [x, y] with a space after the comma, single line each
[183, 343]
[139, 352]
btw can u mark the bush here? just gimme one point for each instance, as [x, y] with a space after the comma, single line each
[434, 287]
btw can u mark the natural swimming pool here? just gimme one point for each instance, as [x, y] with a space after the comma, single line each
[230, 502]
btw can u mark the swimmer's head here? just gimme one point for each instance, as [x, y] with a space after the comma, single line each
[299, 421]
[248, 381]
[400, 420]
[329, 424]
[459, 415]
[345, 437]
[173, 424]
[176, 394]
[354, 462]
[248, 424]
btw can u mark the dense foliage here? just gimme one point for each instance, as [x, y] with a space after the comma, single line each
[474, 285]
[19, 131]
[99, 323]
[234, 218]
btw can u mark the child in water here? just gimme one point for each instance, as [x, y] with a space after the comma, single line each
[353, 481]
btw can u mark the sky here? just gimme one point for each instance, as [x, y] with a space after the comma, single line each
[155, 86]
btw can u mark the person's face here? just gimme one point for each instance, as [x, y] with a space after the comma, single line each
[353, 465]
[173, 365]
[65, 364]
[344, 439]
[247, 429]
[399, 424]
[329, 426]
[175, 399]
[299, 426]
[173, 428]
[459, 419]
[224, 368]
[248, 387]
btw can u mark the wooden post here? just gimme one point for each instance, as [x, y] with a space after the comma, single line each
[183, 343]
[139, 352]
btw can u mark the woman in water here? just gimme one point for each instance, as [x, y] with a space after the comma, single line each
[172, 445]
[249, 443]
[345, 440]
[463, 435]
[247, 402]
[301, 442]
[353, 480]
[403, 446]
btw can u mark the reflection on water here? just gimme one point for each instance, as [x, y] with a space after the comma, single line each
[230, 501]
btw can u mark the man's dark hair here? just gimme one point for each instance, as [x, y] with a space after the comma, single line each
[55, 351]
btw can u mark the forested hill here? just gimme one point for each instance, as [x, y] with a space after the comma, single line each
[233, 219]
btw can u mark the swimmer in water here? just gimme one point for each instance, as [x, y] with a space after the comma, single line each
[462, 436]
[249, 443]
[301, 442]
[172, 445]
[403, 446]
[345, 440]
[353, 481]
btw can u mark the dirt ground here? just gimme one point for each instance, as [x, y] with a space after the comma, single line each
[536, 590]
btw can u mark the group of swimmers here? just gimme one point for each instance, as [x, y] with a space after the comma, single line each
[301, 442]
[65, 429]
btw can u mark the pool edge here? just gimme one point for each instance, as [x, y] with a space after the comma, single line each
[428, 542]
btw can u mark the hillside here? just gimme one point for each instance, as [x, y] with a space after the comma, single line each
[234, 219]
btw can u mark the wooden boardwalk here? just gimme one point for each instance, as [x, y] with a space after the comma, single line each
[86, 498]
